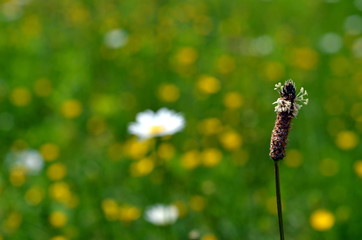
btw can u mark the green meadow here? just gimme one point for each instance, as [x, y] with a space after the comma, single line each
[75, 74]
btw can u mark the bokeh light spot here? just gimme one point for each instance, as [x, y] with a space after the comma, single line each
[294, 158]
[347, 140]
[322, 220]
[208, 84]
[168, 93]
[20, 97]
[71, 108]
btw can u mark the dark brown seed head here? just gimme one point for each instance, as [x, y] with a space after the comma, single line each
[288, 91]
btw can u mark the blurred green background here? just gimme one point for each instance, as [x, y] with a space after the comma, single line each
[74, 74]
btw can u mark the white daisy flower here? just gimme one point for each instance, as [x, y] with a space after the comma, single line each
[161, 215]
[154, 124]
[30, 160]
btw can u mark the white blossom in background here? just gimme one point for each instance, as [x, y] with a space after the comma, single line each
[155, 124]
[358, 4]
[353, 24]
[357, 48]
[116, 38]
[262, 45]
[29, 159]
[330, 43]
[161, 215]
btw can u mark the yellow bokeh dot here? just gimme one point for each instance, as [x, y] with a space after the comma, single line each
[186, 56]
[225, 64]
[168, 93]
[58, 219]
[322, 220]
[209, 237]
[110, 209]
[59, 238]
[34, 196]
[328, 167]
[211, 157]
[210, 126]
[43, 87]
[137, 149]
[60, 192]
[56, 171]
[208, 84]
[231, 140]
[358, 168]
[115, 151]
[293, 158]
[305, 58]
[274, 71]
[20, 96]
[96, 125]
[17, 176]
[71, 108]
[166, 151]
[13, 221]
[129, 213]
[49, 151]
[347, 140]
[142, 167]
[190, 159]
[197, 203]
[233, 100]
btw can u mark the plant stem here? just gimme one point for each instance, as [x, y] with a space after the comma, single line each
[279, 200]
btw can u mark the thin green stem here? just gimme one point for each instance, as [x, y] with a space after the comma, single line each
[279, 200]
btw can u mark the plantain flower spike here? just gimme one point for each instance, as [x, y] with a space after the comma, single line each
[287, 107]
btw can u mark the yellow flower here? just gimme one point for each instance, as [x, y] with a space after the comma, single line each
[59, 237]
[347, 140]
[49, 151]
[136, 149]
[186, 56]
[20, 96]
[17, 176]
[129, 213]
[56, 171]
[60, 192]
[58, 219]
[211, 157]
[71, 108]
[142, 167]
[322, 220]
[210, 126]
[233, 100]
[293, 158]
[358, 168]
[208, 84]
[110, 209]
[190, 159]
[209, 237]
[231, 140]
[168, 92]
[13, 221]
